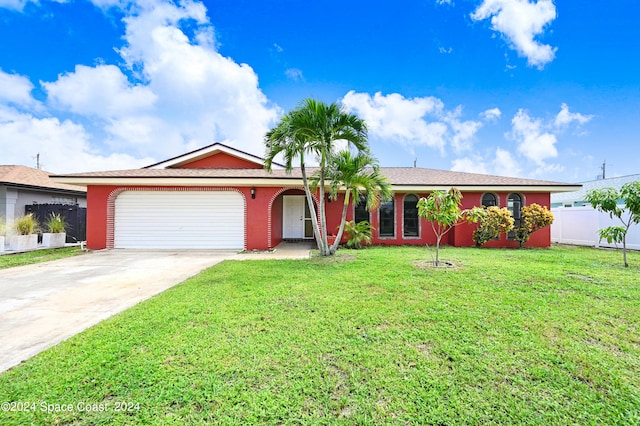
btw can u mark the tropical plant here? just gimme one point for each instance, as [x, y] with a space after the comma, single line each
[358, 234]
[533, 218]
[56, 223]
[313, 128]
[442, 210]
[606, 200]
[26, 225]
[355, 174]
[497, 221]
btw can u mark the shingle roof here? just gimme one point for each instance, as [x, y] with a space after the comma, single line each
[26, 176]
[398, 176]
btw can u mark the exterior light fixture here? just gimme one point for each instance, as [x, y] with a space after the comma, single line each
[253, 192]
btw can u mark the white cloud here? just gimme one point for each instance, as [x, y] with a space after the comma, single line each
[445, 50]
[294, 74]
[520, 21]
[504, 164]
[17, 5]
[63, 146]
[565, 118]
[16, 89]
[492, 114]
[470, 165]
[533, 141]
[413, 121]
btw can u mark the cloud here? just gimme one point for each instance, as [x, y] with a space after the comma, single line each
[444, 50]
[520, 21]
[420, 121]
[470, 165]
[501, 164]
[17, 5]
[16, 89]
[533, 141]
[294, 74]
[565, 118]
[64, 146]
[492, 114]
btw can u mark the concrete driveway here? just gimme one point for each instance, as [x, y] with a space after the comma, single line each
[44, 304]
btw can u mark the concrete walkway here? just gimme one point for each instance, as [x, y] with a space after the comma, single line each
[46, 303]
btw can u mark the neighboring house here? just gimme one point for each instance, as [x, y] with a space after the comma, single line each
[578, 198]
[218, 197]
[22, 186]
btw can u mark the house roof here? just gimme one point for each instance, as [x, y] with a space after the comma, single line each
[27, 177]
[581, 193]
[402, 178]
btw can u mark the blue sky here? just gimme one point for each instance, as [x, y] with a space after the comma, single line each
[544, 89]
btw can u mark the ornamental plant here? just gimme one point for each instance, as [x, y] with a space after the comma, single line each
[26, 225]
[533, 218]
[56, 224]
[442, 210]
[358, 234]
[496, 221]
[606, 200]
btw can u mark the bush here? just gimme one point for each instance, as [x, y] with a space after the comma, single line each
[534, 217]
[26, 225]
[56, 224]
[497, 221]
[358, 234]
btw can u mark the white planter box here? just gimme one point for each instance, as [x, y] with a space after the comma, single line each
[54, 240]
[1, 243]
[23, 242]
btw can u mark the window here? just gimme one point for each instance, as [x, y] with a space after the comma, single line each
[410, 212]
[361, 214]
[386, 219]
[514, 204]
[489, 200]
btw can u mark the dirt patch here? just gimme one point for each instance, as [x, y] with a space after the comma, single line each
[336, 258]
[431, 264]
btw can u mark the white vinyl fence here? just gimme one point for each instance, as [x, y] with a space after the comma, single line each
[579, 226]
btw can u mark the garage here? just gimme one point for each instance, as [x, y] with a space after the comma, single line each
[179, 220]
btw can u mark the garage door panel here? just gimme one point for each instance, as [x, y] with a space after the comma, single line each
[166, 219]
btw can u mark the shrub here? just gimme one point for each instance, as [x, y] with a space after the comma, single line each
[358, 234]
[497, 221]
[56, 224]
[534, 217]
[26, 225]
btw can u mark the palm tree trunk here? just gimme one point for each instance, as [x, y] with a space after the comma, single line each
[342, 222]
[312, 207]
[324, 251]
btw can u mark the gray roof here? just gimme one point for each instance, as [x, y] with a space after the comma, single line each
[579, 195]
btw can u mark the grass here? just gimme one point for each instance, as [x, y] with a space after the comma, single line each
[507, 337]
[37, 256]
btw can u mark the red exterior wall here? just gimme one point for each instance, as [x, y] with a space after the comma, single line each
[221, 161]
[263, 225]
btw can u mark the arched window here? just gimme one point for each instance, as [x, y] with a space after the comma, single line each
[410, 216]
[514, 204]
[489, 199]
[387, 223]
[361, 214]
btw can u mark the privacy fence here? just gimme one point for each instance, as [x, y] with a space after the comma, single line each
[579, 226]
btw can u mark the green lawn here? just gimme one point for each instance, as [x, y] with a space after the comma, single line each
[37, 256]
[508, 337]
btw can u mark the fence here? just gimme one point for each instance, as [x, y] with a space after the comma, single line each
[74, 216]
[579, 226]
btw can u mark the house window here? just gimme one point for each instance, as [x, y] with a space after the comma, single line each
[386, 219]
[410, 216]
[489, 200]
[361, 214]
[514, 204]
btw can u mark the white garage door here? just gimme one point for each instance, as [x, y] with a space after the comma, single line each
[179, 220]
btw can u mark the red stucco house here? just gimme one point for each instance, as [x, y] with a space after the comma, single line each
[218, 197]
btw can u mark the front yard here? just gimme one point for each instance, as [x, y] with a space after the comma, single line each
[509, 337]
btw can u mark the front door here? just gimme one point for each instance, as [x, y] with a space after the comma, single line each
[296, 218]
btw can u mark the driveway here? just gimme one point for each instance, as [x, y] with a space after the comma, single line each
[44, 304]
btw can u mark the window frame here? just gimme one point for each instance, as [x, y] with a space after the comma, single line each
[494, 195]
[404, 218]
[362, 200]
[517, 220]
[393, 219]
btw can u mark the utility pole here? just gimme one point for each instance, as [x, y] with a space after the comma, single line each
[604, 167]
[37, 158]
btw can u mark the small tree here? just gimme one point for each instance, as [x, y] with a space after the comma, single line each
[442, 210]
[358, 234]
[606, 200]
[533, 218]
[497, 221]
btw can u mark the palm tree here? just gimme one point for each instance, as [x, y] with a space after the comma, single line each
[355, 174]
[313, 128]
